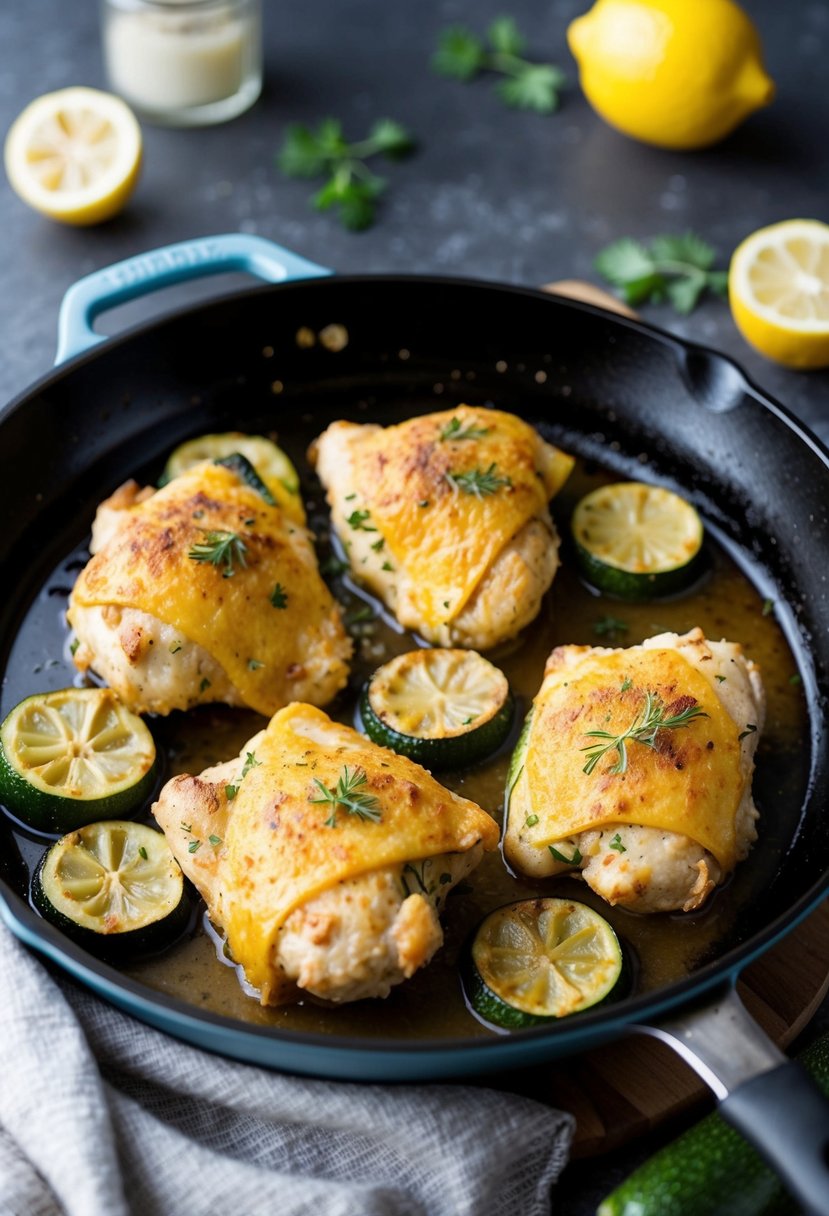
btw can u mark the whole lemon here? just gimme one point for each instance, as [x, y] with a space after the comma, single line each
[675, 73]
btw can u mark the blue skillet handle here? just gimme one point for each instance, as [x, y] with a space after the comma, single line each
[147, 272]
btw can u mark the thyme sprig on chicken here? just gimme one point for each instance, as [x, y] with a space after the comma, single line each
[480, 482]
[220, 549]
[651, 718]
[348, 795]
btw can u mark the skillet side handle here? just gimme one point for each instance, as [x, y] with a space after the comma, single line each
[770, 1100]
[786, 1117]
[148, 272]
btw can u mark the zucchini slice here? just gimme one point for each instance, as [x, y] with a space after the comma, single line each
[73, 756]
[541, 959]
[113, 887]
[637, 541]
[269, 462]
[443, 708]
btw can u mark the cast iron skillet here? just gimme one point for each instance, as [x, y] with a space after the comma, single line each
[600, 386]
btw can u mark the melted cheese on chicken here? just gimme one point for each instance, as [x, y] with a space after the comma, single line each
[662, 833]
[284, 849]
[257, 612]
[445, 517]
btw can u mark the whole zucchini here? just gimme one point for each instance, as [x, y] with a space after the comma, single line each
[711, 1170]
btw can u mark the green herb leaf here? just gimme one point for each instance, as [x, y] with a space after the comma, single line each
[749, 730]
[676, 268]
[250, 762]
[570, 861]
[531, 821]
[220, 548]
[73, 646]
[142, 852]
[462, 55]
[215, 840]
[194, 846]
[609, 625]
[357, 521]
[650, 719]
[616, 843]
[768, 607]
[455, 429]
[231, 791]
[279, 597]
[348, 795]
[480, 482]
[350, 186]
[627, 684]
[205, 684]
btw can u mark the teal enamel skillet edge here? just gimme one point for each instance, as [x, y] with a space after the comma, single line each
[322, 1055]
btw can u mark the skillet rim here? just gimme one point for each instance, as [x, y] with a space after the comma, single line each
[590, 1025]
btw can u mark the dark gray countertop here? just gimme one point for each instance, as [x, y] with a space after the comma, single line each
[491, 192]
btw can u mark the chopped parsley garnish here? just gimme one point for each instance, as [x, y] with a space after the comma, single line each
[530, 821]
[215, 840]
[424, 502]
[455, 429]
[480, 482]
[388, 567]
[175, 647]
[194, 846]
[721, 679]
[627, 684]
[357, 521]
[254, 664]
[333, 566]
[651, 718]
[616, 843]
[142, 852]
[377, 545]
[205, 683]
[73, 646]
[569, 861]
[279, 597]
[796, 678]
[768, 607]
[348, 795]
[231, 791]
[749, 730]
[220, 549]
[250, 762]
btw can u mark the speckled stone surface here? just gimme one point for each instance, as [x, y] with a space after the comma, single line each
[491, 192]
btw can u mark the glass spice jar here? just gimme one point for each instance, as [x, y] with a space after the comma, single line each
[184, 63]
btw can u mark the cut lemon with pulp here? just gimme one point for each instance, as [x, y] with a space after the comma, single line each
[778, 288]
[73, 756]
[541, 959]
[74, 155]
[113, 885]
[637, 541]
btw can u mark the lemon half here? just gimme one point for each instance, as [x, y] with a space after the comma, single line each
[778, 288]
[74, 155]
[675, 73]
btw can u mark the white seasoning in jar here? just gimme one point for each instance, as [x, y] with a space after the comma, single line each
[184, 60]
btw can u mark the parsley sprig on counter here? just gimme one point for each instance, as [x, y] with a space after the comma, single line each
[350, 185]
[462, 55]
[674, 268]
[651, 718]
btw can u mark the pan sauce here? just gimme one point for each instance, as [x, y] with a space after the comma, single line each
[662, 948]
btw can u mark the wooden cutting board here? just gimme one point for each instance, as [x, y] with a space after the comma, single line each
[629, 1087]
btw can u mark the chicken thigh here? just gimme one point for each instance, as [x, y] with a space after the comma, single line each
[325, 859]
[445, 519]
[658, 824]
[204, 591]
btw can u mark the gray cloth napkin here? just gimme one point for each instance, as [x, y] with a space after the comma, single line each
[103, 1116]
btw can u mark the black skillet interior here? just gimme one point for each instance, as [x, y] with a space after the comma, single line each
[295, 357]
